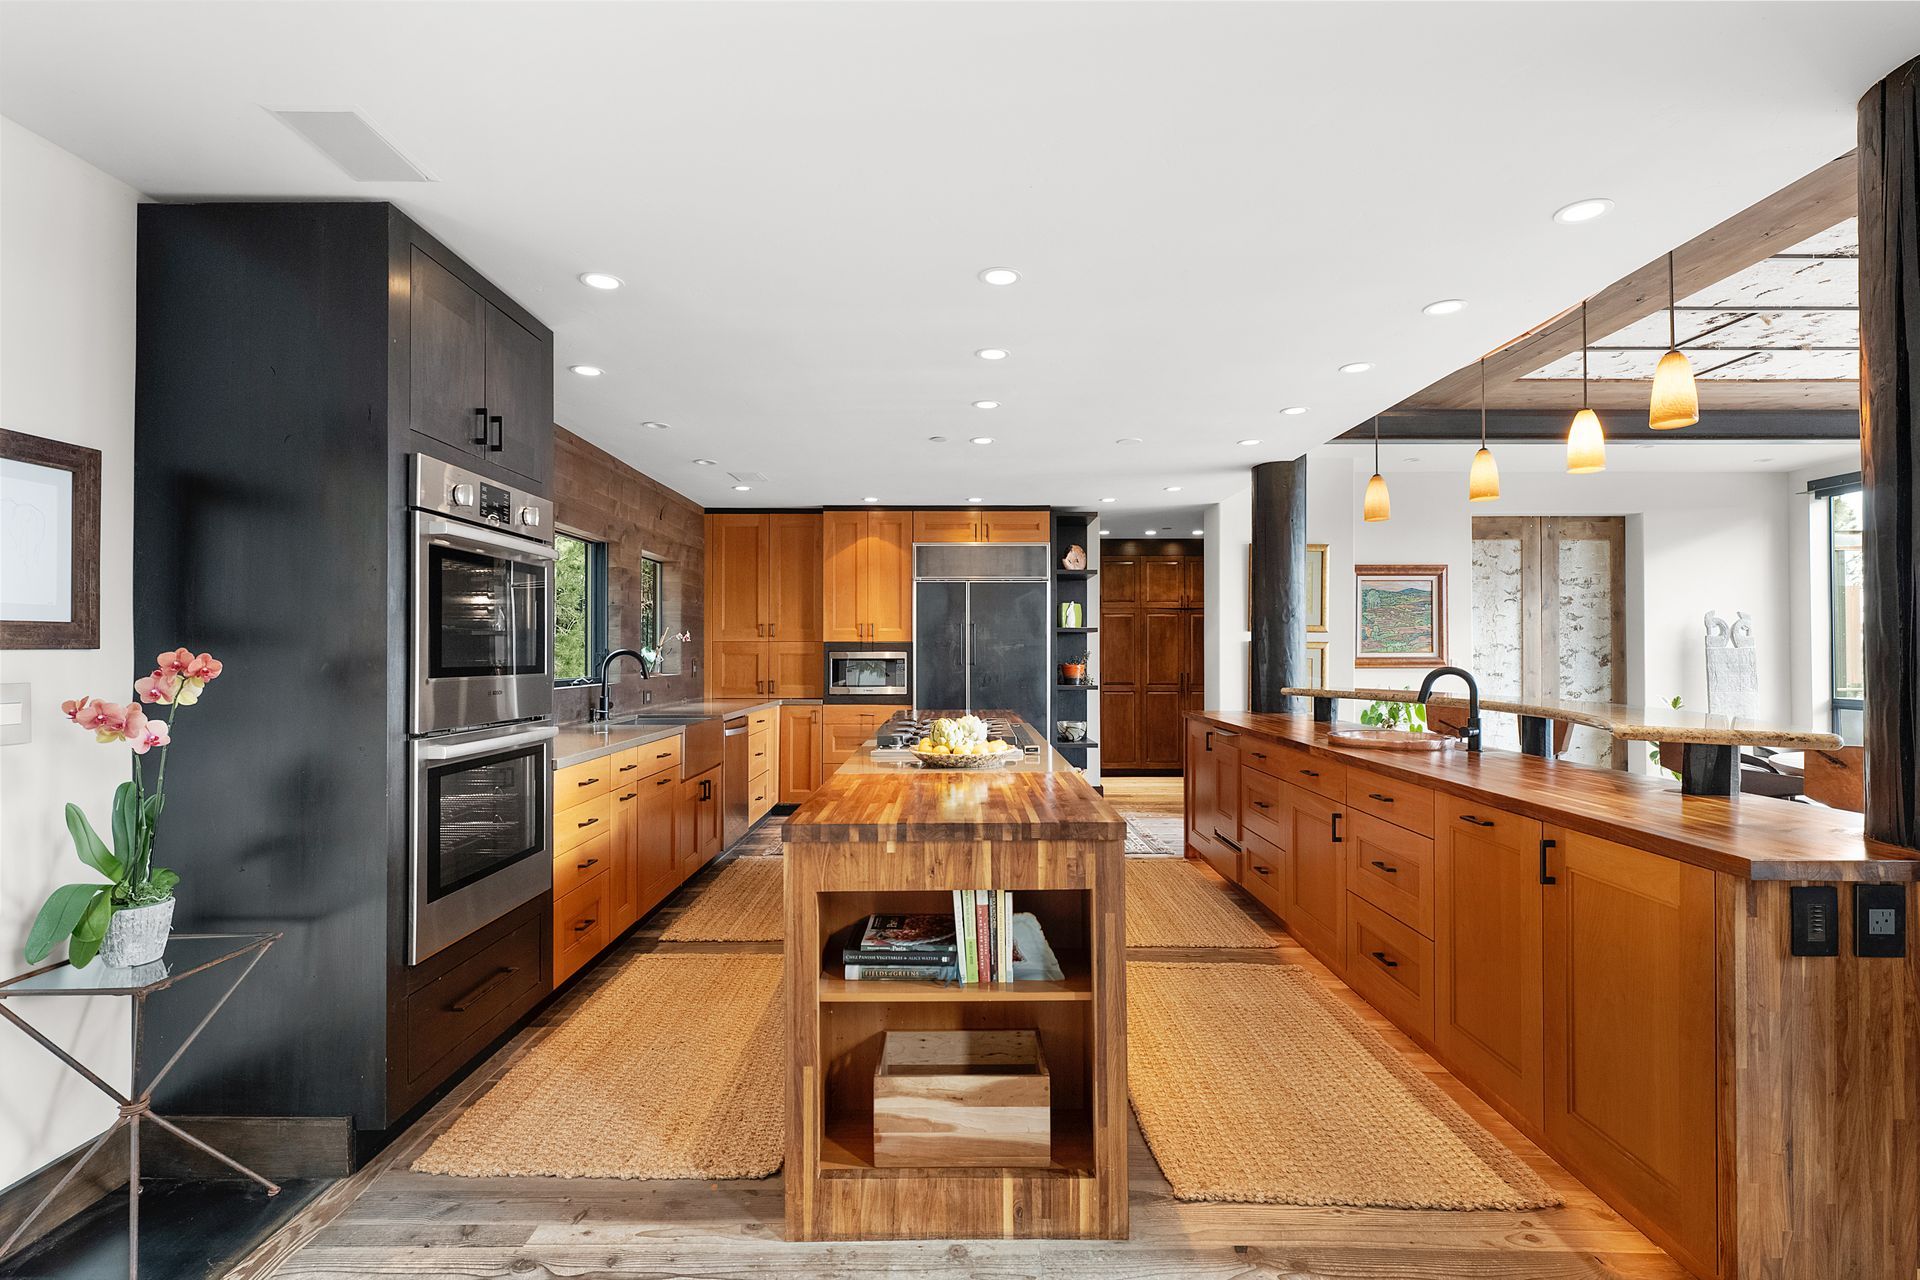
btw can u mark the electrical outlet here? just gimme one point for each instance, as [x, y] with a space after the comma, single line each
[1880, 919]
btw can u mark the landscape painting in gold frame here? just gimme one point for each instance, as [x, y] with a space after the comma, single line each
[1400, 615]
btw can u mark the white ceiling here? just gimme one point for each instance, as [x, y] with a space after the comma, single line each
[1215, 205]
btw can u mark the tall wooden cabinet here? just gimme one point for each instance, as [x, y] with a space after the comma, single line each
[763, 605]
[866, 575]
[1152, 654]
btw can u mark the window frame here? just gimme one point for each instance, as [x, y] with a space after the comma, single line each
[1825, 491]
[599, 608]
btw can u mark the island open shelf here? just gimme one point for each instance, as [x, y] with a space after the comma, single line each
[892, 840]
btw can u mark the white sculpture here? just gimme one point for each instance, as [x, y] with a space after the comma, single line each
[1733, 667]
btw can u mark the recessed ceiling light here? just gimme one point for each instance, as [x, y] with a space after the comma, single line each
[657, 426]
[1106, 533]
[600, 280]
[1152, 532]
[986, 404]
[999, 275]
[1294, 410]
[742, 488]
[1128, 440]
[1249, 442]
[1358, 366]
[936, 439]
[1199, 533]
[705, 462]
[869, 499]
[587, 370]
[1444, 307]
[983, 440]
[1109, 499]
[991, 353]
[973, 499]
[1583, 210]
[1173, 488]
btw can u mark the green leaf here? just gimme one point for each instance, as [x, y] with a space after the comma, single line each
[58, 918]
[161, 882]
[91, 931]
[88, 845]
[126, 823]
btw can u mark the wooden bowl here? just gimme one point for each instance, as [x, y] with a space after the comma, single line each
[1391, 739]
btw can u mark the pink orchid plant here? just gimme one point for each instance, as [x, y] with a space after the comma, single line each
[83, 911]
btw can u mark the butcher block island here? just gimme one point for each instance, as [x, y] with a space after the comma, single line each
[1667, 992]
[886, 836]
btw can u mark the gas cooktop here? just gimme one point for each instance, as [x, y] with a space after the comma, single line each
[912, 726]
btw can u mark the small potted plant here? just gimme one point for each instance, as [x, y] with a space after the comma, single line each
[1074, 670]
[126, 920]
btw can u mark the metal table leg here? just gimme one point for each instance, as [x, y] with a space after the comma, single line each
[1710, 769]
[1323, 710]
[1536, 736]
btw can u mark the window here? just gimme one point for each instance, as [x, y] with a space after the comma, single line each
[1846, 584]
[650, 576]
[579, 608]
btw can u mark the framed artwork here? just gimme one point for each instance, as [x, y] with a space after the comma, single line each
[1317, 664]
[1402, 615]
[1317, 586]
[49, 544]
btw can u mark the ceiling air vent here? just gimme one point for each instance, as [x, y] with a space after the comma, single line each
[346, 138]
[748, 477]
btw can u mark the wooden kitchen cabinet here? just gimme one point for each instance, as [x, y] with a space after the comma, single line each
[1193, 585]
[1213, 809]
[844, 729]
[1316, 880]
[800, 773]
[1016, 526]
[796, 669]
[654, 829]
[946, 526]
[763, 604]
[1152, 655]
[623, 891]
[1630, 1049]
[697, 824]
[793, 577]
[736, 668]
[737, 571]
[867, 575]
[1490, 986]
[1119, 580]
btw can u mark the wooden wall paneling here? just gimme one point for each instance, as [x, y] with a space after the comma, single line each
[843, 546]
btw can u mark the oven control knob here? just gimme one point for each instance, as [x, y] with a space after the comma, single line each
[530, 516]
[462, 495]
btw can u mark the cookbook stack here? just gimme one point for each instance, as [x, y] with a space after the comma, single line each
[983, 940]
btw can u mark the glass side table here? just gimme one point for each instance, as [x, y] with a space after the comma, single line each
[187, 954]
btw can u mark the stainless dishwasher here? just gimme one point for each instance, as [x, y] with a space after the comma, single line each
[733, 782]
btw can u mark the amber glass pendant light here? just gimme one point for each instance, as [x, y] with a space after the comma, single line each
[1483, 482]
[1586, 441]
[1676, 402]
[1375, 507]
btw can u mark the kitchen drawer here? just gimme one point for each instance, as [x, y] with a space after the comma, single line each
[1401, 803]
[1302, 769]
[459, 1012]
[1263, 872]
[1260, 806]
[580, 926]
[1393, 869]
[583, 862]
[759, 751]
[581, 823]
[582, 782]
[1494, 826]
[1391, 966]
[762, 721]
[760, 794]
[652, 757]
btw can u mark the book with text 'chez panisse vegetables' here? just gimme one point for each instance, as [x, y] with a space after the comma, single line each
[983, 940]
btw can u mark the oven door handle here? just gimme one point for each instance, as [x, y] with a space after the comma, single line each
[450, 751]
[517, 548]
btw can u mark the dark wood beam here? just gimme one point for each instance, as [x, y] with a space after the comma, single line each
[1513, 425]
[1279, 570]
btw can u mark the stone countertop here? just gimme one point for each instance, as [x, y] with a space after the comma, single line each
[1631, 724]
[581, 740]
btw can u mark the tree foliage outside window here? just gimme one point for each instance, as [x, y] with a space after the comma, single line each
[579, 607]
[649, 604]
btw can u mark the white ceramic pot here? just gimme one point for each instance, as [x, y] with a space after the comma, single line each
[137, 935]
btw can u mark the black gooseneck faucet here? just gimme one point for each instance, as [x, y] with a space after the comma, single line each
[1471, 734]
[603, 710]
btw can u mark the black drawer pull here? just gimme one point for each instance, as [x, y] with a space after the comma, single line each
[474, 996]
[1223, 840]
[585, 925]
[1259, 870]
[1382, 957]
[630, 795]
[1261, 804]
[1392, 871]
[586, 782]
[1311, 773]
[663, 755]
[1375, 795]
[628, 768]
[1258, 755]
[1478, 822]
[663, 782]
[590, 862]
[589, 822]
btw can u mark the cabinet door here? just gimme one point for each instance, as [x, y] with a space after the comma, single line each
[654, 835]
[709, 818]
[845, 729]
[1630, 1033]
[1120, 728]
[447, 356]
[843, 542]
[1164, 581]
[946, 526]
[1226, 788]
[1160, 728]
[889, 576]
[1201, 782]
[1162, 648]
[1196, 656]
[1119, 580]
[736, 577]
[1316, 872]
[793, 577]
[795, 669]
[519, 397]
[799, 753]
[623, 888]
[1121, 648]
[737, 668]
[1016, 526]
[1193, 588]
[1487, 931]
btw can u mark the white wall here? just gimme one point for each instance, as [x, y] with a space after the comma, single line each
[1228, 529]
[66, 373]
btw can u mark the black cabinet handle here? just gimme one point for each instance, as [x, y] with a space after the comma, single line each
[590, 862]
[499, 434]
[1383, 958]
[1392, 871]
[1311, 773]
[589, 822]
[1375, 795]
[628, 768]
[630, 795]
[1209, 739]
[1259, 870]
[1544, 877]
[1223, 840]
[480, 425]
[585, 925]
[1478, 822]
[663, 782]
[586, 782]
[1261, 804]
[706, 788]
[1258, 755]
[474, 996]
[1336, 828]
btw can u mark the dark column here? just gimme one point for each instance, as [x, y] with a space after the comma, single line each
[1890, 449]
[1279, 618]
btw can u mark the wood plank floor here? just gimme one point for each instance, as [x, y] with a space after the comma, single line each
[387, 1221]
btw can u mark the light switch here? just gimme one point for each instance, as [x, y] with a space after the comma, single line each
[16, 714]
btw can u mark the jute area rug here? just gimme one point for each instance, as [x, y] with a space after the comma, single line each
[1252, 1084]
[1172, 903]
[674, 1069]
[743, 904]
[1156, 836]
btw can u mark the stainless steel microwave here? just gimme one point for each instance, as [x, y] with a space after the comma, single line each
[861, 674]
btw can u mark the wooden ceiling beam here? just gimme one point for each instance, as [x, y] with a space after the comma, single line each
[1816, 202]
[1464, 425]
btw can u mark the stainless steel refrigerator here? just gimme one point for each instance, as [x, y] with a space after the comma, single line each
[980, 629]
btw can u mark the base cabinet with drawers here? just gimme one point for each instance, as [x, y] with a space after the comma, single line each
[844, 729]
